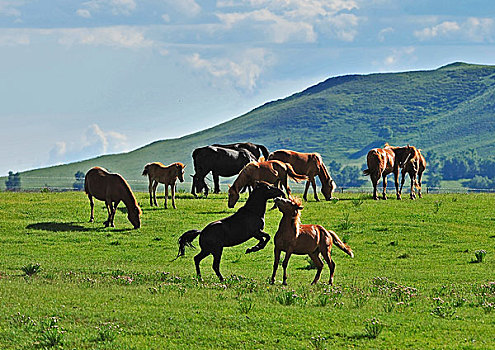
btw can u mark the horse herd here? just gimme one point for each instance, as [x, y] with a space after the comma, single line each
[262, 178]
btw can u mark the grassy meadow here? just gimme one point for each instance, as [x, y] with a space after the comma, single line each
[418, 279]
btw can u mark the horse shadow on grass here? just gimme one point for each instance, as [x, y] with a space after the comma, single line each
[67, 227]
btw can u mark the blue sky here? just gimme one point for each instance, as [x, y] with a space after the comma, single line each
[85, 78]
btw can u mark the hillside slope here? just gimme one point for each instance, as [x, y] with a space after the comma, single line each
[447, 110]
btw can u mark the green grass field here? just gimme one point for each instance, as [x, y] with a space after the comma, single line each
[118, 288]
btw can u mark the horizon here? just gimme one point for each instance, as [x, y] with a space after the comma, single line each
[100, 77]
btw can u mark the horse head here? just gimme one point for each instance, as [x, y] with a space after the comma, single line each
[180, 171]
[233, 197]
[133, 215]
[267, 191]
[405, 154]
[327, 188]
[290, 206]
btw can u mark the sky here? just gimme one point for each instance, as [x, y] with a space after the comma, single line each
[80, 79]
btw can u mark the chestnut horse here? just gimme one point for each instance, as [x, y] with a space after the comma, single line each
[415, 168]
[311, 165]
[294, 238]
[167, 175]
[271, 171]
[386, 160]
[111, 188]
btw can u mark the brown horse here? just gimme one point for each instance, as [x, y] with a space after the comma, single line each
[386, 160]
[272, 171]
[311, 165]
[167, 175]
[294, 238]
[111, 188]
[415, 168]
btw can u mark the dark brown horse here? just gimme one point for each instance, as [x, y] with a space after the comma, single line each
[386, 160]
[246, 223]
[294, 238]
[112, 189]
[415, 168]
[311, 165]
[271, 171]
[167, 175]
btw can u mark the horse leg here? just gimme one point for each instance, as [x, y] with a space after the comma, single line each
[384, 187]
[330, 263]
[166, 195]
[285, 263]
[403, 179]
[305, 195]
[374, 179]
[319, 265]
[150, 190]
[172, 193]
[114, 210]
[396, 182]
[313, 183]
[92, 206]
[276, 261]
[109, 211]
[285, 184]
[263, 239]
[420, 175]
[197, 259]
[216, 181]
[217, 255]
[155, 185]
[413, 184]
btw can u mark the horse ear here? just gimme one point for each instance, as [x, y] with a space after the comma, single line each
[300, 208]
[191, 176]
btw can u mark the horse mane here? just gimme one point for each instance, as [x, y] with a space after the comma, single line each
[321, 167]
[179, 164]
[128, 191]
[297, 218]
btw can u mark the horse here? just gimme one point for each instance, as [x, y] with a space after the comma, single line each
[311, 165]
[294, 238]
[220, 161]
[386, 160]
[256, 150]
[167, 175]
[111, 188]
[415, 168]
[271, 171]
[246, 223]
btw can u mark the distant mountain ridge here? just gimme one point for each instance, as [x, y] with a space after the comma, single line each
[446, 110]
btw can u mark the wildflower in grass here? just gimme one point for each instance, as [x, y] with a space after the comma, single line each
[443, 309]
[107, 331]
[488, 307]
[245, 304]
[288, 298]
[318, 342]
[373, 327]
[50, 334]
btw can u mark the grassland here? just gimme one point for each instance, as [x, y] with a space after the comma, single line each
[118, 288]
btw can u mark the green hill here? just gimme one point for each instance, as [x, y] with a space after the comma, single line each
[446, 110]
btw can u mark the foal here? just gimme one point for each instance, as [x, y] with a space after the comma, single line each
[294, 238]
[167, 175]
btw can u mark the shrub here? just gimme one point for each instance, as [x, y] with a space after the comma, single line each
[31, 269]
[373, 327]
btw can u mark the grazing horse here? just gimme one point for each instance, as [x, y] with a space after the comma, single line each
[386, 160]
[311, 165]
[246, 223]
[220, 161]
[111, 188]
[415, 168]
[271, 171]
[256, 150]
[294, 238]
[167, 175]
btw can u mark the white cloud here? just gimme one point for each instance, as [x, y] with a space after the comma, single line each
[116, 7]
[242, 71]
[8, 8]
[14, 37]
[384, 32]
[188, 8]
[93, 142]
[83, 13]
[398, 55]
[473, 30]
[118, 36]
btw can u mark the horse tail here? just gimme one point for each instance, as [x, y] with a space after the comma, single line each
[145, 171]
[86, 185]
[293, 175]
[186, 241]
[338, 242]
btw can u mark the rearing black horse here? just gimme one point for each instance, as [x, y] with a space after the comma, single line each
[220, 161]
[246, 223]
